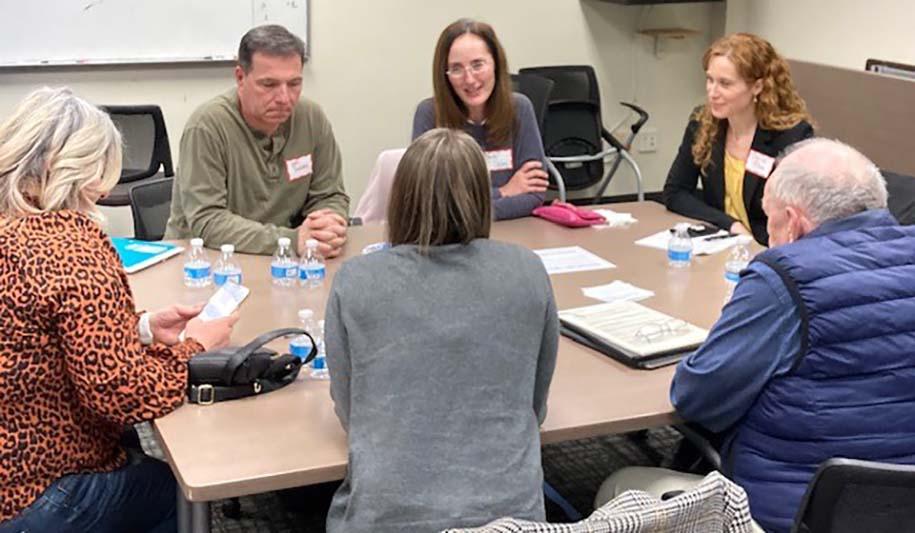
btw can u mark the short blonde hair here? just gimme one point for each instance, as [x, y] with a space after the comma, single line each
[56, 150]
[440, 193]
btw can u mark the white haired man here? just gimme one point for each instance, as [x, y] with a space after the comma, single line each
[812, 358]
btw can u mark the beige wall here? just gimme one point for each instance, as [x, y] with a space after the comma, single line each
[371, 61]
[842, 33]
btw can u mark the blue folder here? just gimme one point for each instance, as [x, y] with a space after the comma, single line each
[137, 255]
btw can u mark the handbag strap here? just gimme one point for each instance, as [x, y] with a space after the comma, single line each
[240, 355]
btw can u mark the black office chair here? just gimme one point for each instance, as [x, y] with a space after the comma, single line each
[150, 202]
[848, 495]
[146, 148]
[574, 135]
[901, 200]
[538, 90]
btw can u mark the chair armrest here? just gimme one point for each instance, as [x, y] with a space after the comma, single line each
[709, 453]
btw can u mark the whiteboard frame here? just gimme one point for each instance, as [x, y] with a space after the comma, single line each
[139, 62]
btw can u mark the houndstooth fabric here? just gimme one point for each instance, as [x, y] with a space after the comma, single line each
[716, 505]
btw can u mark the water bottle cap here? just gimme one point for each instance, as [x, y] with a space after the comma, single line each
[283, 241]
[306, 314]
[682, 226]
[744, 239]
[196, 241]
[311, 243]
[227, 248]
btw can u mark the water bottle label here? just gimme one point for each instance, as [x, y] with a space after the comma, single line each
[197, 272]
[283, 271]
[733, 277]
[220, 278]
[679, 255]
[312, 273]
[300, 350]
[319, 363]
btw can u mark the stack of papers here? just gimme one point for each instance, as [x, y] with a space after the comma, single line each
[618, 291]
[619, 326]
[571, 259]
[614, 219]
[705, 245]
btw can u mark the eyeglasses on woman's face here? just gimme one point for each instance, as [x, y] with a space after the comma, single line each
[476, 67]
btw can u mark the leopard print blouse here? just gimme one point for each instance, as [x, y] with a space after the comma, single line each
[73, 373]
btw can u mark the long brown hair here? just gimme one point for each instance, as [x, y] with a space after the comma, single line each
[440, 194]
[778, 106]
[450, 111]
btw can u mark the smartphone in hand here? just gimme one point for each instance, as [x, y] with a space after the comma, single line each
[224, 301]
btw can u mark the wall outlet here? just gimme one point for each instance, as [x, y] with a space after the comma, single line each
[647, 140]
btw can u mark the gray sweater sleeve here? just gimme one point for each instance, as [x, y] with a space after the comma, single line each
[546, 362]
[337, 352]
[527, 145]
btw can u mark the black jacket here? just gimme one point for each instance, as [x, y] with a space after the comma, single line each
[682, 196]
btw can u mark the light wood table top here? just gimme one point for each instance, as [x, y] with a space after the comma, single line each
[292, 437]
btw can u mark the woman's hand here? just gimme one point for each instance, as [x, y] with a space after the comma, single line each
[738, 228]
[529, 178]
[166, 324]
[211, 334]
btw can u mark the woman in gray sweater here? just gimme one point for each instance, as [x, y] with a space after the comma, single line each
[440, 351]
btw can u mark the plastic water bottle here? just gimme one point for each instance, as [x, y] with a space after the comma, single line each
[300, 345]
[311, 267]
[319, 365]
[284, 268]
[680, 247]
[738, 260]
[226, 267]
[197, 270]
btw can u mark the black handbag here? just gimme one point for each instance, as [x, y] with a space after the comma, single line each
[237, 372]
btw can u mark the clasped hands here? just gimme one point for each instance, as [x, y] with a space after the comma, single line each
[326, 227]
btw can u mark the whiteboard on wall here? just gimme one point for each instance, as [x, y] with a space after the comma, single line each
[91, 32]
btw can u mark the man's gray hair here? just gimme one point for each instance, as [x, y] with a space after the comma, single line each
[269, 39]
[828, 179]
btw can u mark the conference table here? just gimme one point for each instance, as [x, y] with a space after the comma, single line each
[291, 437]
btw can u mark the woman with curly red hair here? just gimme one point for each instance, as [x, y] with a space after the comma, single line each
[752, 113]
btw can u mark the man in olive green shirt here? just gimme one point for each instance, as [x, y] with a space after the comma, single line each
[257, 162]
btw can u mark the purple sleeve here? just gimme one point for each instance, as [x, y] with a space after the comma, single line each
[527, 145]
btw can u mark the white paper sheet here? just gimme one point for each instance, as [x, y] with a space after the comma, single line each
[571, 259]
[617, 291]
[705, 245]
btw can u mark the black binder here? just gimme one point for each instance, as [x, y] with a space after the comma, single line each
[642, 362]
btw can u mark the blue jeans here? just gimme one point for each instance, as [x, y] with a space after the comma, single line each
[140, 496]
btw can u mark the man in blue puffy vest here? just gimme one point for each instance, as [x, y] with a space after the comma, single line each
[813, 356]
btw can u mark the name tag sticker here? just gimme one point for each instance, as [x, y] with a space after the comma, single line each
[499, 160]
[299, 167]
[760, 164]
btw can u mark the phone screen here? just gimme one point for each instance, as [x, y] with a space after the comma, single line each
[224, 301]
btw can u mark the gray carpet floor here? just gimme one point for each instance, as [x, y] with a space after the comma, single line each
[575, 469]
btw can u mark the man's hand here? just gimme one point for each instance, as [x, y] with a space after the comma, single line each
[168, 323]
[328, 228]
[530, 178]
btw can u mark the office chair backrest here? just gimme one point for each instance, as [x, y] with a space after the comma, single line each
[572, 125]
[901, 201]
[373, 205]
[848, 495]
[146, 147]
[538, 90]
[150, 204]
